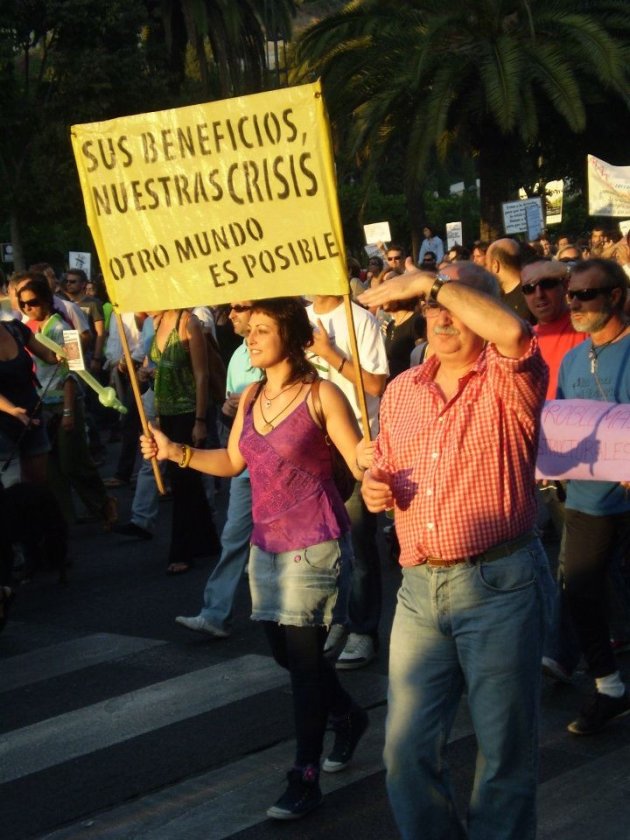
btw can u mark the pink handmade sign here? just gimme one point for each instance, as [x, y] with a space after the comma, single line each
[584, 439]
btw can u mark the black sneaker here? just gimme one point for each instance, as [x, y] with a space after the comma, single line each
[301, 796]
[599, 711]
[348, 731]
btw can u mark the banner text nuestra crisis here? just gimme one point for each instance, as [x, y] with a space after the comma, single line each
[243, 181]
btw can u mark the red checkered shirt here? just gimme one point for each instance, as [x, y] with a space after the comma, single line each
[462, 471]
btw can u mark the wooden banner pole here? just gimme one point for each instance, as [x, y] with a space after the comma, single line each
[358, 383]
[131, 370]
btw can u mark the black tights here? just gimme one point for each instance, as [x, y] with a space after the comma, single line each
[317, 693]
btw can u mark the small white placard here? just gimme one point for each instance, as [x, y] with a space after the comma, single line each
[72, 346]
[515, 215]
[82, 260]
[453, 234]
[554, 192]
[377, 232]
[624, 226]
[534, 221]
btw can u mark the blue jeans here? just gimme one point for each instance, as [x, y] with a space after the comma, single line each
[478, 627]
[220, 591]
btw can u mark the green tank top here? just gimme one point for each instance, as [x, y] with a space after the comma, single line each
[174, 381]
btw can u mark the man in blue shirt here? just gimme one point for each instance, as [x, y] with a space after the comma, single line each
[597, 512]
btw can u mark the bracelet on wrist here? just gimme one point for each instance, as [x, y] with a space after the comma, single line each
[200, 419]
[343, 361]
[67, 412]
[187, 454]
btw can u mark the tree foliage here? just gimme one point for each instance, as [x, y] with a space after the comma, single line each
[481, 76]
[228, 38]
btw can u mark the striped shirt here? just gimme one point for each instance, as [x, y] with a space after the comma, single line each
[462, 471]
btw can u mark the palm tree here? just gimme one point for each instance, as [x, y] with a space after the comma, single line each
[478, 75]
[236, 32]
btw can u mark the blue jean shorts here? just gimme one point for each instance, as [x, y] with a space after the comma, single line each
[35, 442]
[301, 588]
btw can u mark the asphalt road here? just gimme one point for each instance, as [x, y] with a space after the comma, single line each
[117, 723]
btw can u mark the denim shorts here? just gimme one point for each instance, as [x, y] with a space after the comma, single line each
[301, 588]
[35, 442]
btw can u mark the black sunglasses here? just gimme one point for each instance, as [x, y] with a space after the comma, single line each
[240, 308]
[29, 304]
[588, 294]
[546, 283]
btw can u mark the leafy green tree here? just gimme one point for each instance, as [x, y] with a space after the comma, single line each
[62, 62]
[228, 37]
[486, 77]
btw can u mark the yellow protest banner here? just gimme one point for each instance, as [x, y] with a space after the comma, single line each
[223, 201]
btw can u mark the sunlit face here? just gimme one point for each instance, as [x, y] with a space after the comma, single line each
[479, 257]
[240, 313]
[591, 316]
[597, 237]
[547, 300]
[263, 341]
[32, 307]
[449, 337]
[74, 284]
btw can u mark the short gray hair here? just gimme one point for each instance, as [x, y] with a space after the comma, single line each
[478, 277]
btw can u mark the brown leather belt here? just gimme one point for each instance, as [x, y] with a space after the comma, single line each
[494, 553]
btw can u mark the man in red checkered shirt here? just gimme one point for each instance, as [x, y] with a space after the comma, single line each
[455, 458]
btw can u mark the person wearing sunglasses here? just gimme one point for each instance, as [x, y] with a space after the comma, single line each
[544, 287]
[455, 458]
[395, 258]
[70, 466]
[597, 516]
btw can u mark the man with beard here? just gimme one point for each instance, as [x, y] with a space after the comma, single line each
[597, 517]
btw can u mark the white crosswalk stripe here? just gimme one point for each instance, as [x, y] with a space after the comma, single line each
[118, 719]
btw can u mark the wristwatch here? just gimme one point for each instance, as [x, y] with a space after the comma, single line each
[440, 280]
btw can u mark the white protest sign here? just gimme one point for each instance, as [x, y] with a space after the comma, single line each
[454, 234]
[584, 439]
[608, 188]
[534, 221]
[554, 192]
[515, 215]
[74, 351]
[377, 232]
[81, 260]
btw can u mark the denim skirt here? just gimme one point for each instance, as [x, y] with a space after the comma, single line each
[303, 587]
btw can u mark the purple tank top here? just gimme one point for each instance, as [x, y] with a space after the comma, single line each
[295, 502]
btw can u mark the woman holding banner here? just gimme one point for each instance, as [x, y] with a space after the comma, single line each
[299, 562]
